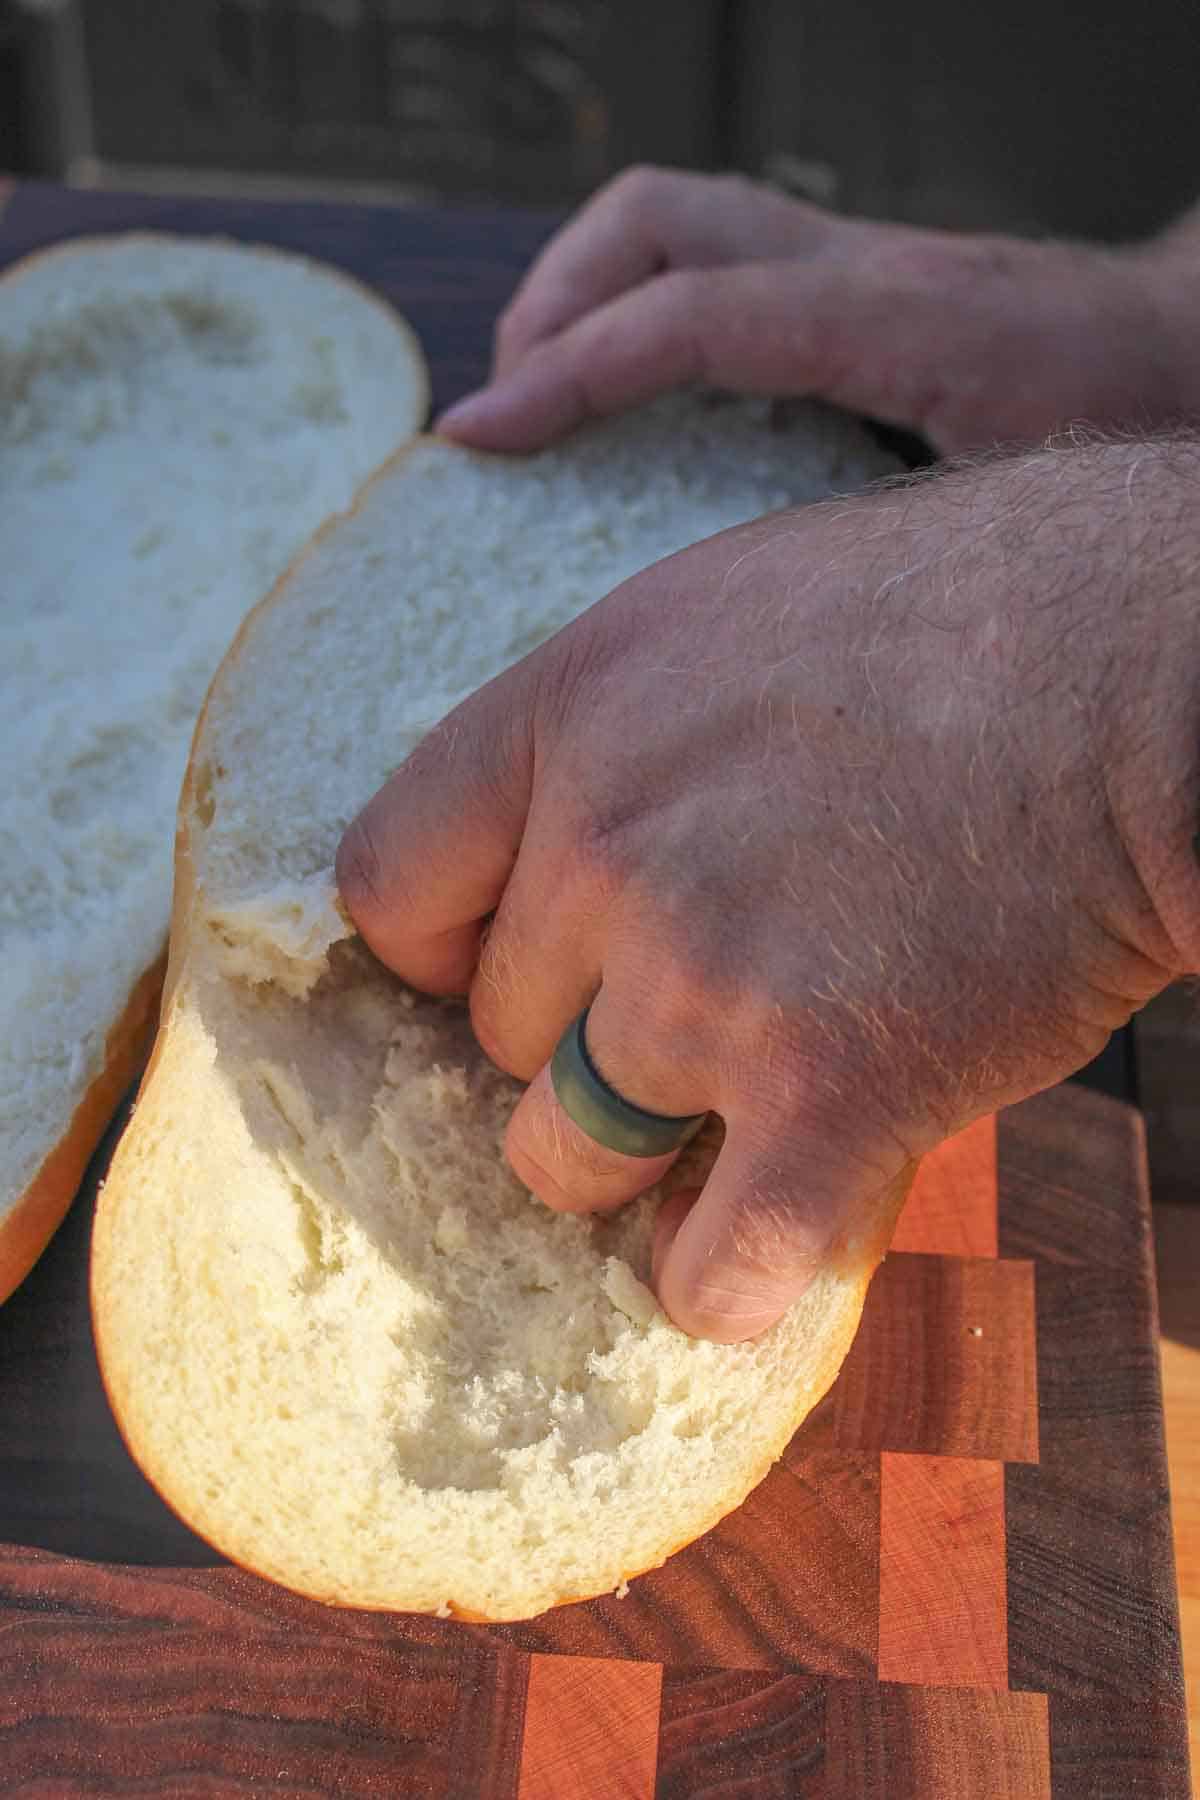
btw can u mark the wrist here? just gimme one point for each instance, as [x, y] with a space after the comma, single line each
[1149, 687]
[1166, 272]
[1066, 598]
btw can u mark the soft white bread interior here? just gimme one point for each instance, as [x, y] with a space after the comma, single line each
[338, 1335]
[176, 418]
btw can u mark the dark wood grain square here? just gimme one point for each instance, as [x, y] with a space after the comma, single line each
[1123, 1750]
[1092, 1611]
[738, 1732]
[922, 1743]
[1091, 1593]
[945, 1361]
[1071, 1175]
[144, 1677]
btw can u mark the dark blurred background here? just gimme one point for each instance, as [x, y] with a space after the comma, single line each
[1035, 117]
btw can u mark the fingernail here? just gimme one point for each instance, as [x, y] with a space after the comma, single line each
[474, 409]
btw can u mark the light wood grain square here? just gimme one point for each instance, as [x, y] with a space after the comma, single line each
[943, 1580]
[952, 1210]
[591, 1729]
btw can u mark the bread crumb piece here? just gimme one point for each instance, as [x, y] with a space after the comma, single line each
[975, 1330]
[443, 1611]
[620, 1592]
[281, 935]
[629, 1295]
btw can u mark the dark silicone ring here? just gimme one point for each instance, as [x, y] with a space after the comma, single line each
[606, 1116]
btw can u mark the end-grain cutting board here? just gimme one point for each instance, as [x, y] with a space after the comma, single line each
[957, 1584]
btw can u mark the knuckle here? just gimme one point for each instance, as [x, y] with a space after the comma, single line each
[562, 674]
[687, 311]
[920, 262]
[605, 851]
[684, 295]
[486, 742]
[564, 1167]
[672, 998]
[662, 1034]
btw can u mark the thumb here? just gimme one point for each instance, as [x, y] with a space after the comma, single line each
[429, 856]
[731, 1258]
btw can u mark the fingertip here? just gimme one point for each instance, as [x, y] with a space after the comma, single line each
[467, 416]
[542, 400]
[545, 1187]
[713, 1314]
[515, 414]
[703, 1288]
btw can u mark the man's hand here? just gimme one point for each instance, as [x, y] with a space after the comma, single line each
[666, 278]
[850, 824]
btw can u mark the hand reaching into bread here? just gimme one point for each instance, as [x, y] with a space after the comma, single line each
[667, 278]
[850, 824]
[314, 1277]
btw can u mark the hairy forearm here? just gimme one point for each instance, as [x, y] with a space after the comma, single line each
[1166, 271]
[1150, 698]
[1074, 577]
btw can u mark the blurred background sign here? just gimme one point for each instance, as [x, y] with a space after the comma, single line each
[510, 99]
[1028, 116]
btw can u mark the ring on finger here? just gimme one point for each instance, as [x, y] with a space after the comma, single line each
[605, 1115]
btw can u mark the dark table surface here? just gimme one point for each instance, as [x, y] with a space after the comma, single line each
[450, 270]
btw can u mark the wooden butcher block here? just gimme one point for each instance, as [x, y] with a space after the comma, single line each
[956, 1585]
